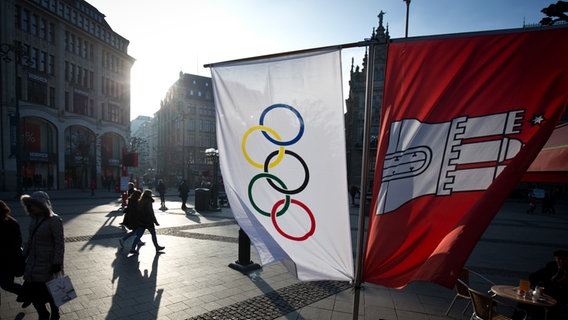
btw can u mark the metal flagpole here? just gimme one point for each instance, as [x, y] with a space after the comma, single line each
[364, 175]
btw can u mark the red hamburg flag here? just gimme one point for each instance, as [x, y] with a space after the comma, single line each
[463, 118]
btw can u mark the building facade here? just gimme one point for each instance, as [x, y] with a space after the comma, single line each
[65, 96]
[355, 105]
[143, 142]
[185, 129]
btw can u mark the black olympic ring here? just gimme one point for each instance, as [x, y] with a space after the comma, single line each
[284, 191]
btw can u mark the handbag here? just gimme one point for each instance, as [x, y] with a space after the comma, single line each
[61, 289]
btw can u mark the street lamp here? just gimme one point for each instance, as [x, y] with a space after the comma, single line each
[407, 10]
[213, 154]
[183, 115]
[20, 53]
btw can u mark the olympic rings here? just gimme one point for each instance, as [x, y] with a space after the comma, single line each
[306, 179]
[243, 146]
[285, 106]
[310, 214]
[277, 140]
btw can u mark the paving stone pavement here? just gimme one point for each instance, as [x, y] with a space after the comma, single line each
[192, 280]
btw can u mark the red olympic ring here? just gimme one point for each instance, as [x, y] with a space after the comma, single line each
[310, 214]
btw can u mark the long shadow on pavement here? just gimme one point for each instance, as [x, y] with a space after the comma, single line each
[136, 294]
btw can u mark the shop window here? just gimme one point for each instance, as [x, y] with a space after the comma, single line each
[37, 92]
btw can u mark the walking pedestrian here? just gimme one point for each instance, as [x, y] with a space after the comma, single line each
[548, 203]
[44, 250]
[146, 221]
[532, 203]
[353, 191]
[10, 251]
[183, 193]
[93, 187]
[162, 192]
[131, 217]
[125, 195]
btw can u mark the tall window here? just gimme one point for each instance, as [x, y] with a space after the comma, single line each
[81, 104]
[42, 58]
[51, 64]
[42, 28]
[52, 97]
[37, 92]
[25, 20]
[71, 42]
[67, 102]
[34, 58]
[33, 26]
[113, 113]
[51, 33]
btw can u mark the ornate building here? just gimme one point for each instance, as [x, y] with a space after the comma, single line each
[65, 95]
[185, 128]
[355, 104]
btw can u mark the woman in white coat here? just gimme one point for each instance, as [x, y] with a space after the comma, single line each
[44, 250]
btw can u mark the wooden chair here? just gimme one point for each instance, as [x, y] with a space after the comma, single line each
[485, 307]
[462, 288]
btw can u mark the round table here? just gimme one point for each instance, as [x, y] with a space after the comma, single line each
[510, 292]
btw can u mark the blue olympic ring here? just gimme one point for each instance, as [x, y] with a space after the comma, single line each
[285, 106]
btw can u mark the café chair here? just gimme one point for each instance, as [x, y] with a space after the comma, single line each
[462, 288]
[485, 307]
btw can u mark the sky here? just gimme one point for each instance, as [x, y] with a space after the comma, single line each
[170, 36]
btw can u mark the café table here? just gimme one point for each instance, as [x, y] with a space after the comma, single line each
[510, 292]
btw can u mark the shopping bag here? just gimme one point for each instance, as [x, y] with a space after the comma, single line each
[61, 289]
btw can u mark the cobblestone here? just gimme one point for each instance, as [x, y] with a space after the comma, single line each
[278, 302]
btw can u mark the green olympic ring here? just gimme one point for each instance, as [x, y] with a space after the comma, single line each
[269, 176]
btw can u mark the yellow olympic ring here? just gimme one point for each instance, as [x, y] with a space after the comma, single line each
[280, 149]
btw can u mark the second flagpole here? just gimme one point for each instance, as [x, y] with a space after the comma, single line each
[364, 177]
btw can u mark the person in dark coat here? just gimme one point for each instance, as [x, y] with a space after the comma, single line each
[127, 195]
[10, 250]
[146, 221]
[131, 217]
[161, 188]
[353, 191]
[553, 277]
[44, 250]
[93, 187]
[183, 193]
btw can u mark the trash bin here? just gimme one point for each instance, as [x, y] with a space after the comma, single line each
[202, 197]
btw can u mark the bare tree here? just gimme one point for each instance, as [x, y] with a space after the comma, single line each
[555, 13]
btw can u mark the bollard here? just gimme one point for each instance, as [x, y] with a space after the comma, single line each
[244, 264]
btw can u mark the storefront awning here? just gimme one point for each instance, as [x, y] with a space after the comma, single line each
[551, 164]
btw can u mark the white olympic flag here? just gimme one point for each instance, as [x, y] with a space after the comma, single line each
[280, 135]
